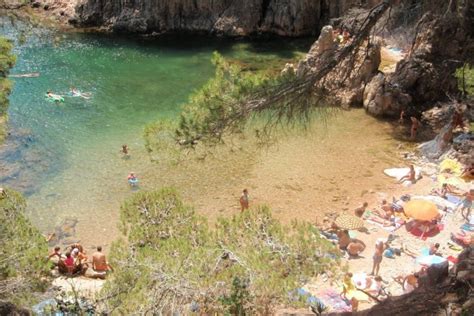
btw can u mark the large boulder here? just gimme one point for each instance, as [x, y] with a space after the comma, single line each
[426, 75]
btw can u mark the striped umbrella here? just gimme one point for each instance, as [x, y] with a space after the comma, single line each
[347, 221]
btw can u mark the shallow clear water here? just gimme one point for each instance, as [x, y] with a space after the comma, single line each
[65, 156]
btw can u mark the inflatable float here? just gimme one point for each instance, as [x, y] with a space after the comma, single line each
[133, 182]
[54, 98]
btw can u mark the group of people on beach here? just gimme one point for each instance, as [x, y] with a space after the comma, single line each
[392, 214]
[75, 261]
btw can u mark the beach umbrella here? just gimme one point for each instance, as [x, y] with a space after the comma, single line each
[429, 260]
[349, 222]
[421, 210]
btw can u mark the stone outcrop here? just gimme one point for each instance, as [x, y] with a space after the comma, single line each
[226, 17]
[426, 75]
[345, 85]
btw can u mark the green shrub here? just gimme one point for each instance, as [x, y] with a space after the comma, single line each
[7, 61]
[172, 261]
[22, 251]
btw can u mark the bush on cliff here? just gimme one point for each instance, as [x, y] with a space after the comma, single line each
[22, 251]
[7, 61]
[172, 261]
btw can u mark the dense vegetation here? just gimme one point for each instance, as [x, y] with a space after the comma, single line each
[22, 251]
[7, 60]
[173, 261]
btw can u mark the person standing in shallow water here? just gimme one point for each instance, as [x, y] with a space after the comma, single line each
[124, 150]
[244, 200]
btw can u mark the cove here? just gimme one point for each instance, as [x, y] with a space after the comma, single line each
[65, 156]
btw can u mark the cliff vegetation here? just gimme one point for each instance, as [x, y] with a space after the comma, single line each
[173, 261]
[7, 60]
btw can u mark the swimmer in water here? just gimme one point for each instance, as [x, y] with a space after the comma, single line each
[124, 150]
[132, 179]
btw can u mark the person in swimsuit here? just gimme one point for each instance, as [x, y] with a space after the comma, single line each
[467, 204]
[344, 239]
[132, 179]
[410, 176]
[415, 123]
[244, 200]
[401, 120]
[361, 210]
[125, 150]
[380, 247]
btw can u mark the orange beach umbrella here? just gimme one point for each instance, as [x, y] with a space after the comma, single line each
[421, 210]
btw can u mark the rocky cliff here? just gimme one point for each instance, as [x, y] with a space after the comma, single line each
[226, 17]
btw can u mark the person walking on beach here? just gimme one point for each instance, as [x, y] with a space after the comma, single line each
[244, 200]
[415, 123]
[378, 255]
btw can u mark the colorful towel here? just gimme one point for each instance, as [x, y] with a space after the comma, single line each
[333, 299]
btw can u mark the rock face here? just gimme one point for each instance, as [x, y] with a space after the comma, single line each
[426, 75]
[345, 85]
[226, 17]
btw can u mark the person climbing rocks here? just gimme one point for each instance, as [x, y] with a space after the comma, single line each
[244, 200]
[415, 124]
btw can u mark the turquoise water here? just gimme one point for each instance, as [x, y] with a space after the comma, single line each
[65, 156]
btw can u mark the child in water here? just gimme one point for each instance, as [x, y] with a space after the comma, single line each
[132, 179]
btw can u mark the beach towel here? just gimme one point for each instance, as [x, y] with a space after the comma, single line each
[451, 165]
[438, 200]
[398, 173]
[467, 227]
[332, 299]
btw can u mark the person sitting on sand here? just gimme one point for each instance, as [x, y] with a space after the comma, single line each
[99, 261]
[355, 248]
[344, 239]
[434, 249]
[445, 189]
[79, 256]
[386, 210]
[361, 210]
[69, 266]
[55, 256]
[410, 176]
[244, 200]
[410, 283]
